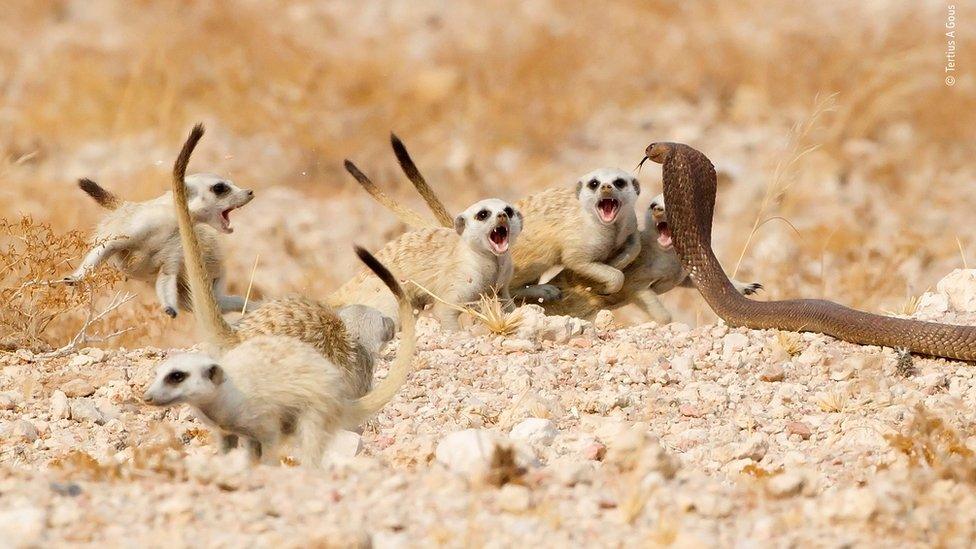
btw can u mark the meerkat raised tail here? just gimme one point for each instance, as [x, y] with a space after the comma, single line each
[142, 241]
[456, 265]
[270, 382]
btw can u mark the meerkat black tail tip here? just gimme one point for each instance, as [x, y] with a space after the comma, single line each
[103, 197]
[380, 270]
[356, 172]
[403, 157]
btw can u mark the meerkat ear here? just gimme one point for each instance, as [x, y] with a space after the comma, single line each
[459, 224]
[636, 187]
[579, 188]
[215, 374]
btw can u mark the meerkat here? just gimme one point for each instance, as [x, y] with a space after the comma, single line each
[456, 265]
[141, 239]
[271, 389]
[656, 270]
[339, 338]
[371, 331]
[590, 229]
[279, 371]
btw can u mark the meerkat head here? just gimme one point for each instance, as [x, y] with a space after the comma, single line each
[371, 328]
[493, 224]
[193, 378]
[656, 218]
[606, 192]
[211, 198]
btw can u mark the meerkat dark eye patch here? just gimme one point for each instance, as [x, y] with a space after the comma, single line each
[593, 184]
[175, 377]
[482, 215]
[220, 188]
[509, 211]
[619, 183]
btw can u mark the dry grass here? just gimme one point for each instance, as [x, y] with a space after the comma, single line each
[927, 441]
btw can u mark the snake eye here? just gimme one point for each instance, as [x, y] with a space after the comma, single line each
[593, 184]
[482, 215]
[175, 378]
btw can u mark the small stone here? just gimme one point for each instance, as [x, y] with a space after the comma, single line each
[24, 430]
[773, 372]
[580, 342]
[785, 485]
[514, 498]
[535, 431]
[799, 428]
[595, 451]
[80, 361]
[570, 472]
[9, 401]
[733, 343]
[516, 345]
[608, 355]
[856, 504]
[755, 449]
[59, 406]
[603, 320]
[85, 411]
[95, 353]
[960, 287]
[78, 388]
[690, 410]
[345, 445]
[25, 525]
[466, 452]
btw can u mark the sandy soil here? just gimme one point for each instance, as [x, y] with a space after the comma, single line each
[628, 437]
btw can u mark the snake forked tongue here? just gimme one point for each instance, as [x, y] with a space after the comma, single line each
[689, 192]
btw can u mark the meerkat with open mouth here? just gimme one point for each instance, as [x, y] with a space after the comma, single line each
[141, 239]
[656, 270]
[283, 370]
[456, 265]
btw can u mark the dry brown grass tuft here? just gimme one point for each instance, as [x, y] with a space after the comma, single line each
[927, 441]
[503, 468]
[39, 310]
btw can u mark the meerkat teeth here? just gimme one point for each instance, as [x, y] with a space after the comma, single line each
[134, 236]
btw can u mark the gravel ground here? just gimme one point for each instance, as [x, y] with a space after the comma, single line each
[565, 433]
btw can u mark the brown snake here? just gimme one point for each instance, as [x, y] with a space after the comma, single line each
[689, 192]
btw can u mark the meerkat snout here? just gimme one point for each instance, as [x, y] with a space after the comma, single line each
[212, 198]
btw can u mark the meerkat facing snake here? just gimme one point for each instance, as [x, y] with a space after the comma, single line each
[689, 191]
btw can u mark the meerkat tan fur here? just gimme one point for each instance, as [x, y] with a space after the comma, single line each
[656, 270]
[268, 388]
[308, 320]
[141, 239]
[457, 265]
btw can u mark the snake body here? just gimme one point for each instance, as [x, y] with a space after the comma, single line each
[689, 192]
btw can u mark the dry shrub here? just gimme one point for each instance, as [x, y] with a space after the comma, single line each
[928, 442]
[160, 453]
[503, 468]
[39, 310]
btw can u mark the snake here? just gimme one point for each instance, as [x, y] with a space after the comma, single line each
[689, 192]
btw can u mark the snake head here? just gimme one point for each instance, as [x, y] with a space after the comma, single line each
[658, 152]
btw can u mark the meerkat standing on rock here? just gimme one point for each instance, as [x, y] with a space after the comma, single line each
[142, 240]
[456, 265]
[265, 381]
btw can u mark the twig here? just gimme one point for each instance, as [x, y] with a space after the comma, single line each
[250, 282]
[82, 337]
[962, 253]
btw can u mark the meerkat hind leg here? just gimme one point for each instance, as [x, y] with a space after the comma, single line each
[651, 304]
[167, 290]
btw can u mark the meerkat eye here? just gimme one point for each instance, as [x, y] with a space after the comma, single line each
[509, 211]
[619, 183]
[593, 184]
[482, 215]
[175, 378]
[653, 206]
[220, 188]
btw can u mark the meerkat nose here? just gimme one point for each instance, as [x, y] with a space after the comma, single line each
[250, 193]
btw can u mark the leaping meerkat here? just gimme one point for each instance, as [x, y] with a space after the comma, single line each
[456, 264]
[270, 379]
[589, 229]
[141, 239]
[342, 339]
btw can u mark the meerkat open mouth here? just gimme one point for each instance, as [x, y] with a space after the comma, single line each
[608, 208]
[664, 234]
[498, 239]
[225, 220]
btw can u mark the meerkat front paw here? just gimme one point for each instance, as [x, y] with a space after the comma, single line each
[548, 292]
[170, 312]
[615, 283]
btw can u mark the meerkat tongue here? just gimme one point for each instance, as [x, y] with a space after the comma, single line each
[498, 237]
[608, 209]
[225, 220]
[664, 235]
